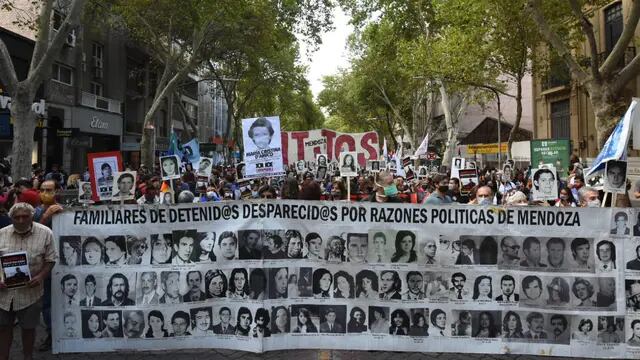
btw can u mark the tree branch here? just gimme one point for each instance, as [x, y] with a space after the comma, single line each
[7, 70]
[44, 29]
[619, 49]
[554, 39]
[587, 29]
[627, 74]
[186, 120]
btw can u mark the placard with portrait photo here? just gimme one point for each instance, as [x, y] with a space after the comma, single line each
[348, 164]
[85, 192]
[102, 167]
[545, 184]
[262, 147]
[615, 179]
[204, 167]
[124, 186]
[170, 167]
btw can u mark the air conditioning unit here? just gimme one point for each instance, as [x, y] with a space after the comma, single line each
[71, 39]
[98, 73]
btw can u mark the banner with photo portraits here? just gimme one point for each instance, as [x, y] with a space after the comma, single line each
[261, 276]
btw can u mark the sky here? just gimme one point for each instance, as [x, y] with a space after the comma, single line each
[331, 54]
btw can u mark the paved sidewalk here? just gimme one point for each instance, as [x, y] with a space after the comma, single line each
[275, 355]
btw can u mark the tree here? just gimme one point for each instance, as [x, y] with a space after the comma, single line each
[567, 23]
[47, 47]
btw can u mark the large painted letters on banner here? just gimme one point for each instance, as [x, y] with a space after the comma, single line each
[260, 276]
[305, 145]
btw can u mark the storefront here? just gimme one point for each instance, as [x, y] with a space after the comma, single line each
[97, 131]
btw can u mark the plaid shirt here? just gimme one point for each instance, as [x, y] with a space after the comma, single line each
[38, 244]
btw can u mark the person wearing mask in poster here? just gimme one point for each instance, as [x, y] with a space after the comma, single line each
[260, 133]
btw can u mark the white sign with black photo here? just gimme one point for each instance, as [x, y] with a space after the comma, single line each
[348, 164]
[204, 167]
[301, 167]
[423, 172]
[545, 183]
[104, 169]
[262, 147]
[615, 180]
[170, 167]
[85, 193]
[457, 163]
[124, 186]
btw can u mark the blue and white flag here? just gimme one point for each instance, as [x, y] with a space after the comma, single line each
[616, 146]
[191, 151]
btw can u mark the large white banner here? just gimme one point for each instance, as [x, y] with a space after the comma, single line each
[260, 276]
[262, 147]
[306, 145]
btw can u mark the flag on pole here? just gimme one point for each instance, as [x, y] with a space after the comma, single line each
[191, 151]
[422, 149]
[398, 159]
[174, 147]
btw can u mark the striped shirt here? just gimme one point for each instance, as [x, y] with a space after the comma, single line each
[38, 244]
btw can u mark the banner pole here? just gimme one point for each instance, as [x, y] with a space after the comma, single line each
[349, 188]
[604, 199]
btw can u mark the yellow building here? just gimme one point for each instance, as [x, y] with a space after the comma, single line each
[561, 108]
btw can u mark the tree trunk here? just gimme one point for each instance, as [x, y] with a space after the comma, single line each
[516, 124]
[607, 111]
[24, 126]
[452, 129]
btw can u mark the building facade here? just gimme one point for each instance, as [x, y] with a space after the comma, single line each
[561, 107]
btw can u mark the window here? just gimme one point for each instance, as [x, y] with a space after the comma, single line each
[613, 25]
[97, 51]
[56, 20]
[96, 89]
[561, 119]
[62, 73]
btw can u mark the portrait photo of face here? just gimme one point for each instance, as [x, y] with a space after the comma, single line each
[169, 167]
[620, 224]
[321, 160]
[605, 256]
[184, 241]
[85, 192]
[161, 249]
[93, 251]
[227, 245]
[204, 167]
[301, 166]
[357, 247]
[348, 164]
[545, 185]
[378, 248]
[124, 186]
[616, 176]
[531, 286]
[137, 250]
[70, 250]
[261, 132]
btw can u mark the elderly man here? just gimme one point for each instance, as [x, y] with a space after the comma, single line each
[588, 197]
[24, 303]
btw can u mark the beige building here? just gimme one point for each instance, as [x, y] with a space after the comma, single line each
[561, 108]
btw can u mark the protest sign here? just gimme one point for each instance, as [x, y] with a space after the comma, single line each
[545, 184]
[170, 167]
[457, 163]
[305, 145]
[468, 180]
[85, 193]
[102, 166]
[552, 151]
[348, 164]
[262, 147]
[261, 276]
[615, 180]
[124, 186]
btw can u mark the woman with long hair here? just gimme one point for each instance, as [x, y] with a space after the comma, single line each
[512, 326]
[91, 324]
[322, 281]
[262, 320]
[558, 290]
[215, 284]
[486, 326]
[278, 283]
[343, 285]
[399, 323]
[203, 253]
[93, 252]
[405, 247]
[280, 320]
[378, 320]
[357, 321]
[239, 284]
[420, 326]
[367, 285]
[156, 328]
[305, 325]
[482, 288]
[258, 284]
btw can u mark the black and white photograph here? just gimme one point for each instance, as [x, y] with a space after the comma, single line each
[112, 324]
[124, 186]
[273, 245]
[611, 330]
[321, 160]
[583, 328]
[216, 284]
[632, 294]
[344, 285]
[605, 256]
[332, 319]
[531, 293]
[280, 320]
[257, 284]
[167, 197]
[224, 320]
[92, 324]
[201, 321]
[161, 248]
[483, 288]
[366, 283]
[85, 193]
[400, 323]
[606, 293]
[88, 290]
[379, 319]
[404, 247]
[374, 166]
[134, 324]
[557, 292]
[633, 331]
[557, 254]
[348, 164]
[419, 322]
[423, 172]
[70, 250]
[261, 324]
[203, 249]
[545, 184]
[116, 249]
[301, 282]
[437, 285]
[415, 286]
[239, 284]
[241, 170]
[509, 255]
[379, 250]
[194, 286]
[486, 324]
[158, 324]
[461, 323]
[147, 288]
[615, 180]
[428, 250]
[180, 323]
[250, 244]
[632, 254]
[620, 224]
[335, 250]
[262, 146]
[294, 244]
[460, 288]
[507, 291]
[137, 250]
[119, 289]
[69, 286]
[322, 283]
[305, 319]
[169, 288]
[438, 323]
[559, 328]
[390, 285]
[313, 247]
[582, 255]
[534, 326]
[169, 167]
[357, 322]
[204, 167]
[301, 167]
[278, 282]
[93, 251]
[583, 292]
[357, 247]
[183, 244]
[321, 173]
[103, 168]
[227, 246]
[476, 250]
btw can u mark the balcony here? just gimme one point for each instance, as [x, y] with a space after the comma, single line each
[629, 54]
[101, 103]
